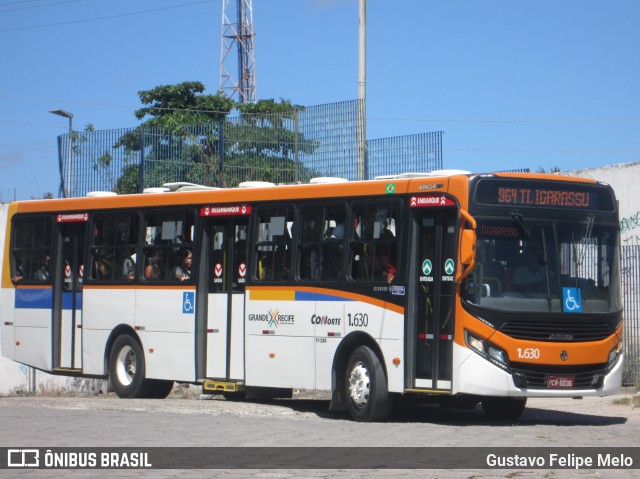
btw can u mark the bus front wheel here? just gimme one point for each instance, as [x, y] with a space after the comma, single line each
[366, 386]
[504, 408]
[127, 369]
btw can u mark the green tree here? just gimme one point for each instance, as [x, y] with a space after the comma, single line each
[182, 131]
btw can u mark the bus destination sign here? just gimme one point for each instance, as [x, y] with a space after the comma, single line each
[544, 197]
[557, 195]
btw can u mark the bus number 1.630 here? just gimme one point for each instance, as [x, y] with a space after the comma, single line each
[528, 353]
[358, 320]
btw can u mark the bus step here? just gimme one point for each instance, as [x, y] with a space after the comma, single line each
[221, 387]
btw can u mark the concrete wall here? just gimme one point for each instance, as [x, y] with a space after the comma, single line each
[625, 180]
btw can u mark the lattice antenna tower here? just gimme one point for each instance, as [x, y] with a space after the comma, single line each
[238, 36]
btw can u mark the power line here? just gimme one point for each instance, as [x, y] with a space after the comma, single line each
[38, 6]
[107, 17]
[24, 123]
[21, 2]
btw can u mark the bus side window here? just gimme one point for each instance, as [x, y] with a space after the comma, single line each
[274, 244]
[31, 250]
[168, 237]
[113, 247]
[373, 242]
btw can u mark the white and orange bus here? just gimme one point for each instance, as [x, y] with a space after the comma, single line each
[444, 286]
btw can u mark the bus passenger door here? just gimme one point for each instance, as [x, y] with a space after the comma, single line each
[435, 289]
[68, 273]
[227, 253]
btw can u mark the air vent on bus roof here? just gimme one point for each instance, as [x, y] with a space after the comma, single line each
[449, 172]
[155, 190]
[423, 175]
[99, 194]
[327, 179]
[255, 184]
[197, 188]
[185, 186]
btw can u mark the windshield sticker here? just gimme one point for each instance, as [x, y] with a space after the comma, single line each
[449, 266]
[427, 269]
[571, 300]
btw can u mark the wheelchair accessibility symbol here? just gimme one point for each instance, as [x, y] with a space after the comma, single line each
[188, 302]
[571, 300]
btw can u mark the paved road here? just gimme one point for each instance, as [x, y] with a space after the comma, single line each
[110, 422]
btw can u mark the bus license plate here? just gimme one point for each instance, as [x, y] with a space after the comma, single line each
[560, 382]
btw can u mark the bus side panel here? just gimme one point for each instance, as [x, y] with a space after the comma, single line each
[103, 309]
[8, 342]
[169, 355]
[161, 314]
[279, 339]
[280, 361]
[341, 318]
[33, 347]
[32, 322]
[394, 348]
[94, 342]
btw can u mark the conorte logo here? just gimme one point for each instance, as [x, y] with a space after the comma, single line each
[23, 458]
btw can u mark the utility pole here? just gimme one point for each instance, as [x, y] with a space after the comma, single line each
[361, 129]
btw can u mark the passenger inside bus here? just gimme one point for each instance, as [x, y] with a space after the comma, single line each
[155, 263]
[104, 267]
[22, 268]
[182, 272]
[378, 262]
[129, 264]
[43, 274]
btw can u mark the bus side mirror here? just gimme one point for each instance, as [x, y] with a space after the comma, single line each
[467, 246]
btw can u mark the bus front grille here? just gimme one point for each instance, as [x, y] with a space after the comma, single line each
[556, 331]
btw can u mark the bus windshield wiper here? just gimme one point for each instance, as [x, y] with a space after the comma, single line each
[517, 218]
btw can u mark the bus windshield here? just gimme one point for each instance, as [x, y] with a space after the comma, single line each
[527, 264]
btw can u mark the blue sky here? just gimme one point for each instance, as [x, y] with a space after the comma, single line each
[513, 84]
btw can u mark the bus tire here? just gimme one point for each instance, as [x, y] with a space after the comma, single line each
[503, 408]
[366, 387]
[127, 368]
[160, 388]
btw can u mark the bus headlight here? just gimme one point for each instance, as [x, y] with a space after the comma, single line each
[613, 356]
[487, 350]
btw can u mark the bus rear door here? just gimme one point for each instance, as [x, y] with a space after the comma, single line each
[226, 230]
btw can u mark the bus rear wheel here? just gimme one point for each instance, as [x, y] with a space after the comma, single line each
[127, 369]
[504, 408]
[366, 387]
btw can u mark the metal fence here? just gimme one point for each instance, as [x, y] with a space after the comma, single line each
[287, 147]
[630, 264]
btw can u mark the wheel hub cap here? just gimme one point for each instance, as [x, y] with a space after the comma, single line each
[359, 384]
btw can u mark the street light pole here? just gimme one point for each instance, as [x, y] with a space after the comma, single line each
[65, 114]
